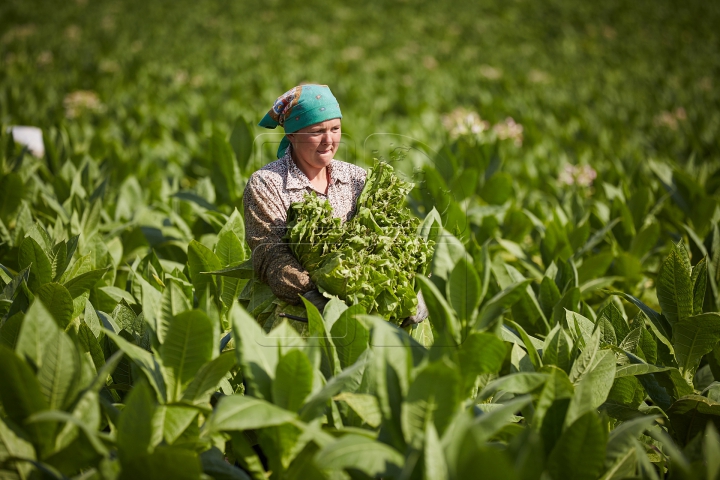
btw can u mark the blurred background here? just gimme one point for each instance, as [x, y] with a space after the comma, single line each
[537, 103]
[586, 81]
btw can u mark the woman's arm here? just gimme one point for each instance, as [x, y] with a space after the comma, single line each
[265, 225]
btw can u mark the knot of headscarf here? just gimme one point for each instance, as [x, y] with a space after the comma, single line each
[300, 107]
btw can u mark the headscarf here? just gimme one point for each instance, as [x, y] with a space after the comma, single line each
[300, 107]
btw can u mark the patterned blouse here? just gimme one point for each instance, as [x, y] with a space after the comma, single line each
[268, 195]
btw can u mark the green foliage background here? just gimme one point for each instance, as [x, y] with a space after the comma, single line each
[573, 327]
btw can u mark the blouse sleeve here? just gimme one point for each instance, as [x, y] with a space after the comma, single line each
[265, 225]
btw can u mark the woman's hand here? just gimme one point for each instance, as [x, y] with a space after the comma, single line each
[422, 312]
[317, 299]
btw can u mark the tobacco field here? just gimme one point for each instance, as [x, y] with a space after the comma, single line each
[565, 158]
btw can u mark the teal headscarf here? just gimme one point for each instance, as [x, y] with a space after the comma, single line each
[300, 107]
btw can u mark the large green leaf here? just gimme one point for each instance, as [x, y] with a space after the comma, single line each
[88, 346]
[225, 173]
[202, 259]
[347, 381]
[11, 194]
[208, 377]
[638, 369]
[477, 457]
[217, 467]
[620, 441]
[135, 426]
[171, 421]
[350, 337]
[38, 328]
[490, 423]
[258, 363]
[32, 254]
[693, 337]
[435, 393]
[173, 303]
[689, 416]
[329, 361]
[241, 140]
[660, 325]
[293, 380]
[611, 313]
[517, 383]
[431, 226]
[569, 302]
[358, 452]
[527, 311]
[14, 444]
[494, 307]
[479, 353]
[21, 397]
[10, 330]
[435, 465]
[58, 259]
[446, 328]
[557, 387]
[165, 461]
[580, 327]
[557, 349]
[548, 296]
[674, 285]
[60, 371]
[580, 451]
[238, 412]
[58, 302]
[463, 291]
[244, 270]
[528, 343]
[188, 346]
[699, 282]
[229, 249]
[587, 358]
[146, 361]
[593, 387]
[365, 405]
[84, 282]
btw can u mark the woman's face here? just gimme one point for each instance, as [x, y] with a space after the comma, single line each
[315, 145]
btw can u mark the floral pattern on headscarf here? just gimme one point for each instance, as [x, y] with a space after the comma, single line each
[284, 104]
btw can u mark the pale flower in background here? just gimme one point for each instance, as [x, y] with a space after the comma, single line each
[581, 175]
[429, 62]
[108, 23]
[197, 81]
[18, 33]
[108, 66]
[705, 84]
[538, 76]
[509, 129]
[73, 33]
[80, 101]
[45, 58]
[491, 73]
[352, 53]
[181, 77]
[462, 121]
[672, 119]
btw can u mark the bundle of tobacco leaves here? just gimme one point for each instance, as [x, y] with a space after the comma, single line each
[373, 258]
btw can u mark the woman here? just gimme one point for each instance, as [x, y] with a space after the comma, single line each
[311, 118]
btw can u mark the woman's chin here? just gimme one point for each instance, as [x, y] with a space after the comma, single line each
[325, 158]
